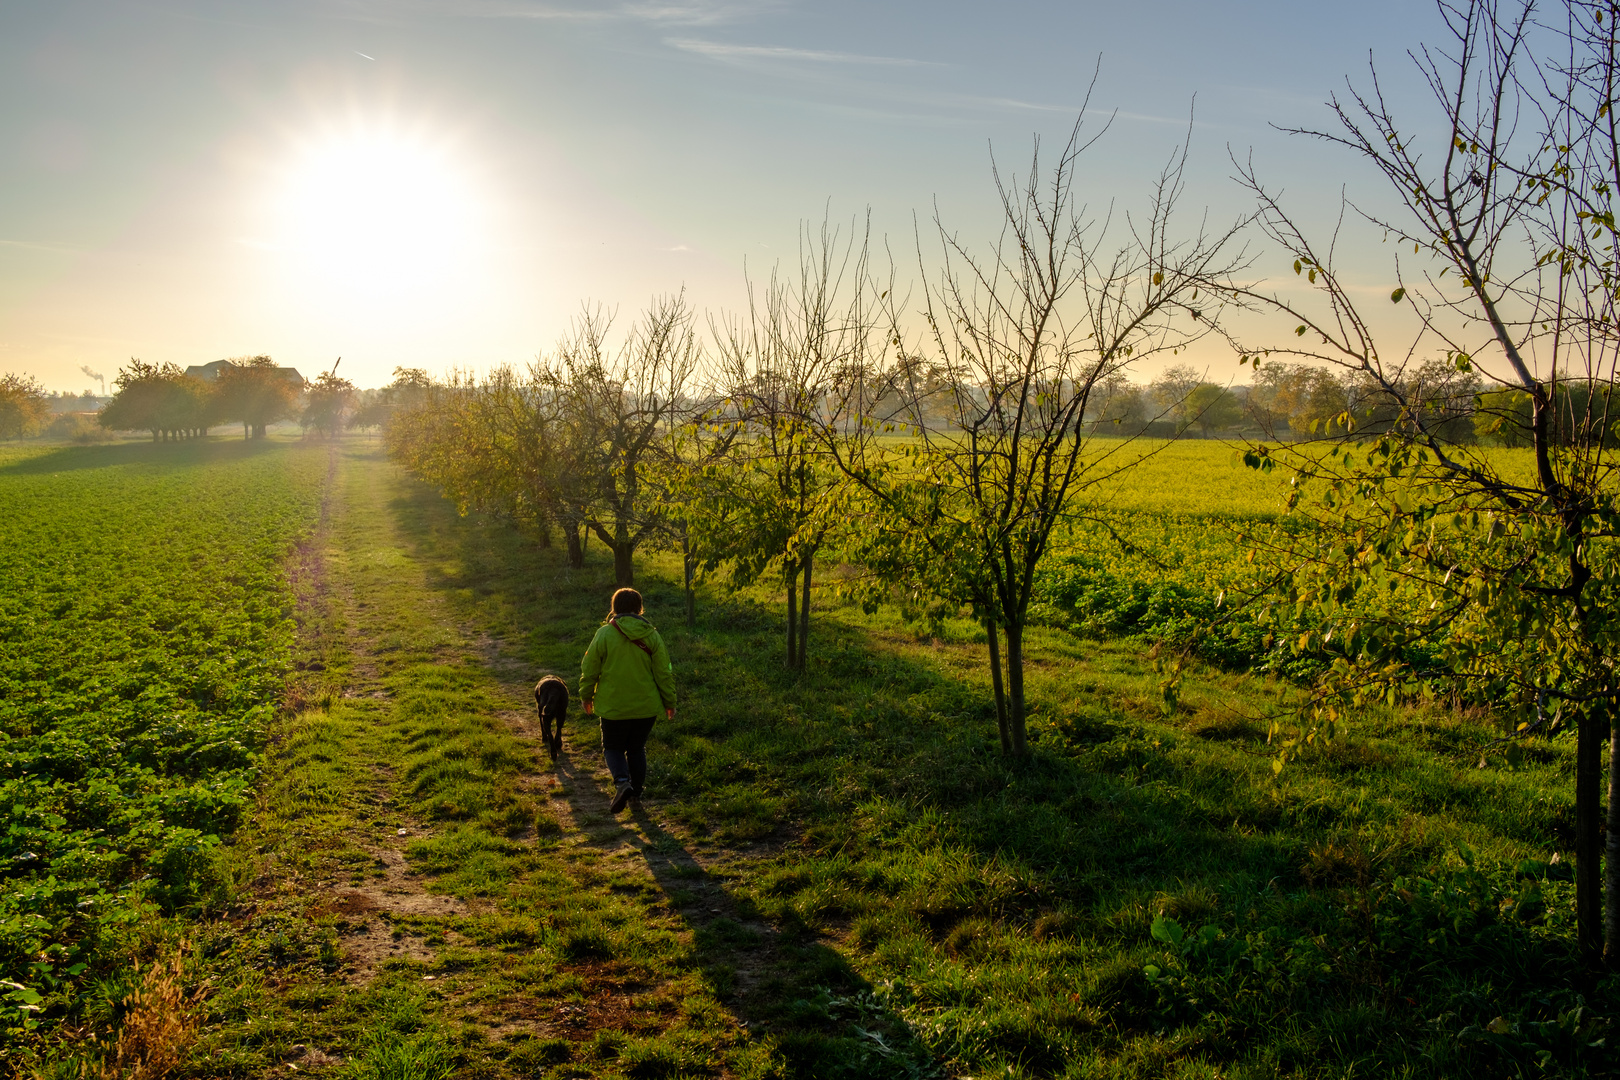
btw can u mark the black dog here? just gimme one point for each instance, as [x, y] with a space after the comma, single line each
[551, 698]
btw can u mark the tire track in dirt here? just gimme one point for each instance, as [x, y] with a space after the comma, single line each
[338, 662]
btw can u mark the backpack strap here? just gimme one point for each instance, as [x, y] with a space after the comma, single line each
[642, 645]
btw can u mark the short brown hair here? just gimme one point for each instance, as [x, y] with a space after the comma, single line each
[625, 602]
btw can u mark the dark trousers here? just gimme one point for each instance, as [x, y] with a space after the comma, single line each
[624, 745]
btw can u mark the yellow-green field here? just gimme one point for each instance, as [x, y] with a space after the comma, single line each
[1207, 477]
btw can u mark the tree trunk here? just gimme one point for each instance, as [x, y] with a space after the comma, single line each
[688, 579]
[1588, 834]
[247, 432]
[624, 569]
[259, 430]
[804, 612]
[1015, 690]
[576, 546]
[993, 634]
[792, 571]
[1611, 866]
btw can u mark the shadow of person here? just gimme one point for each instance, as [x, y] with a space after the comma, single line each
[781, 979]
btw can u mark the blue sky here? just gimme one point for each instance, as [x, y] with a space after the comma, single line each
[427, 183]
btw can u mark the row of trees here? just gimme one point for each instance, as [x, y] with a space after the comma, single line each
[1293, 401]
[1286, 400]
[939, 453]
[938, 443]
[252, 391]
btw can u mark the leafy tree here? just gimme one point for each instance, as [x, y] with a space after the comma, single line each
[256, 392]
[1172, 391]
[160, 399]
[329, 403]
[1118, 406]
[1213, 408]
[693, 477]
[1434, 568]
[23, 406]
[376, 407]
[522, 457]
[1303, 398]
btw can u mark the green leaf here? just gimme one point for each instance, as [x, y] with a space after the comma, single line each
[1167, 930]
[1397, 295]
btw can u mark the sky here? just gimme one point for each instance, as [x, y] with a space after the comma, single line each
[443, 183]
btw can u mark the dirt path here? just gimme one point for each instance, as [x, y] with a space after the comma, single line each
[338, 638]
[605, 937]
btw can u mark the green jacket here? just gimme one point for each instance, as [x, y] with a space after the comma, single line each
[623, 681]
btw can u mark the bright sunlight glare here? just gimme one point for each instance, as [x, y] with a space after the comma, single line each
[379, 218]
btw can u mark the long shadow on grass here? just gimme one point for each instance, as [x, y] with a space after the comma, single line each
[781, 980]
[168, 454]
[878, 756]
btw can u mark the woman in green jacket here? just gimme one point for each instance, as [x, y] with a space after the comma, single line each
[626, 678]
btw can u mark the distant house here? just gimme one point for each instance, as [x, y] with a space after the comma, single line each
[210, 372]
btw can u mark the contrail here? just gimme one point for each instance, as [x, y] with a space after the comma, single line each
[357, 52]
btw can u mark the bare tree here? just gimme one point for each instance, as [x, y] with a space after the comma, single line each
[779, 365]
[1022, 336]
[1511, 274]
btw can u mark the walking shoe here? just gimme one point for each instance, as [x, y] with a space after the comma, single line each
[622, 796]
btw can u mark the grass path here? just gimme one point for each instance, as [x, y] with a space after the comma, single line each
[433, 896]
[836, 874]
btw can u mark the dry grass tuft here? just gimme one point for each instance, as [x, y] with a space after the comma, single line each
[160, 1024]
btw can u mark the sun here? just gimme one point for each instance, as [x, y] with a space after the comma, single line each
[378, 215]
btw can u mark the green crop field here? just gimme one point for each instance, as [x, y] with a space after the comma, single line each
[274, 776]
[145, 636]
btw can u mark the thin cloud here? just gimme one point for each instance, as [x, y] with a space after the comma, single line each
[701, 12]
[813, 66]
[1071, 110]
[688, 13]
[36, 246]
[725, 51]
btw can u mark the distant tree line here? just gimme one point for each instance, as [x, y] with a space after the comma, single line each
[250, 390]
[1300, 401]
